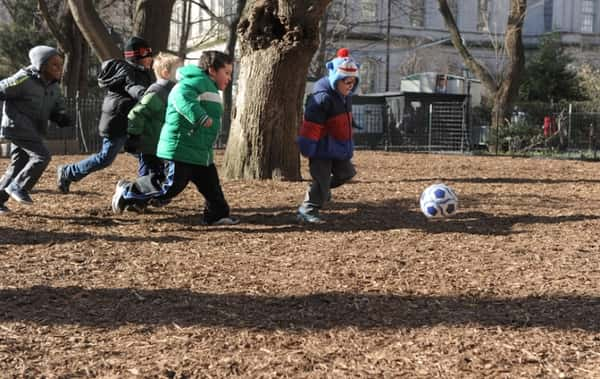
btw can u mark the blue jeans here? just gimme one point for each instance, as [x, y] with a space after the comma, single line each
[150, 164]
[102, 159]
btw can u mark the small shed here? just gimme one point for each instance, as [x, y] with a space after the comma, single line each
[412, 121]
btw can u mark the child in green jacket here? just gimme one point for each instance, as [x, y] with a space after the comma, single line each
[147, 117]
[192, 124]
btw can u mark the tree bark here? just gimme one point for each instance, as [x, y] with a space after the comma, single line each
[505, 91]
[152, 20]
[277, 40]
[73, 46]
[91, 26]
[231, 43]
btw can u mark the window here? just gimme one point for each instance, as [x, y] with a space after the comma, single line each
[337, 9]
[368, 76]
[416, 13]
[587, 16]
[368, 10]
[483, 15]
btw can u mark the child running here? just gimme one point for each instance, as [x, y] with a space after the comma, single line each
[325, 136]
[31, 97]
[192, 124]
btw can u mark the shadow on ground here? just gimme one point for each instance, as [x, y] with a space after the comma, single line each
[111, 308]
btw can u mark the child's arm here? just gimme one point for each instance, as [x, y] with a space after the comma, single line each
[147, 109]
[133, 88]
[10, 88]
[59, 114]
[313, 126]
[185, 101]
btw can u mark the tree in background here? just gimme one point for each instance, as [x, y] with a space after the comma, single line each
[24, 30]
[149, 21]
[504, 89]
[548, 75]
[589, 82]
[59, 20]
[277, 42]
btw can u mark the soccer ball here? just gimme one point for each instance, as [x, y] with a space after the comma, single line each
[438, 200]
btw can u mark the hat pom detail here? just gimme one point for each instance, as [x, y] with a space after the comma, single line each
[343, 53]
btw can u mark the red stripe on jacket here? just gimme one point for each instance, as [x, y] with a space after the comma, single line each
[312, 130]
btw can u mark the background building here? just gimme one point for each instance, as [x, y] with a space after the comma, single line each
[395, 38]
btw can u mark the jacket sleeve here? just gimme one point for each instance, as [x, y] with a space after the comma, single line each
[313, 125]
[134, 89]
[59, 113]
[185, 101]
[11, 87]
[143, 112]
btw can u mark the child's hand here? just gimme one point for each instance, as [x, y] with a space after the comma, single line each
[208, 123]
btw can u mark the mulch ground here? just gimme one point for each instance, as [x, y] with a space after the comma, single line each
[507, 288]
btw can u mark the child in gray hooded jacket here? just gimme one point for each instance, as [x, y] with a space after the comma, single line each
[31, 97]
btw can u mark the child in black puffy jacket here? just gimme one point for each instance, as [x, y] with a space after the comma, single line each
[126, 81]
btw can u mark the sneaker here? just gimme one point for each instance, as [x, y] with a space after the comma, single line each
[4, 209]
[61, 182]
[118, 201]
[307, 218]
[19, 195]
[225, 221]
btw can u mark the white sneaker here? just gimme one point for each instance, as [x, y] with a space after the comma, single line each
[118, 202]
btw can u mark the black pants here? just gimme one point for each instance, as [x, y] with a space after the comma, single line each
[177, 176]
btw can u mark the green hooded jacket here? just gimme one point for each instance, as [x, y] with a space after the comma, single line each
[147, 117]
[193, 100]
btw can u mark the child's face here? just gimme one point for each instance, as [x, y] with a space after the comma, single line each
[221, 76]
[52, 69]
[146, 62]
[344, 86]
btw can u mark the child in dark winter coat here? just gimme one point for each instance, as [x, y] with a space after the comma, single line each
[147, 117]
[126, 81]
[325, 136]
[31, 97]
[192, 124]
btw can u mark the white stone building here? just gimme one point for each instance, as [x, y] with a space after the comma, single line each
[418, 40]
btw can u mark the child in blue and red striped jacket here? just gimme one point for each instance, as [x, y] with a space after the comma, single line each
[325, 136]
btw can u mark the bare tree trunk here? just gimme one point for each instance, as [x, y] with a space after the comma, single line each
[505, 91]
[277, 40]
[231, 42]
[317, 66]
[71, 42]
[152, 20]
[91, 26]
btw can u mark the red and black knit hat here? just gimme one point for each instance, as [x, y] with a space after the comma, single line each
[137, 48]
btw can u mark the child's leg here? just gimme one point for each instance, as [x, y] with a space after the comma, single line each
[18, 160]
[150, 187]
[207, 181]
[342, 172]
[29, 159]
[320, 171]
[104, 158]
[150, 164]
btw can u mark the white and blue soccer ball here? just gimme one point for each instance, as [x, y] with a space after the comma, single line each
[438, 200]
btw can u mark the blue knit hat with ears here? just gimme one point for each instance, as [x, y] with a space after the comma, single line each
[342, 67]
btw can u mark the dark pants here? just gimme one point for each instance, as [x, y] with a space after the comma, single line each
[178, 175]
[326, 174]
[28, 160]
